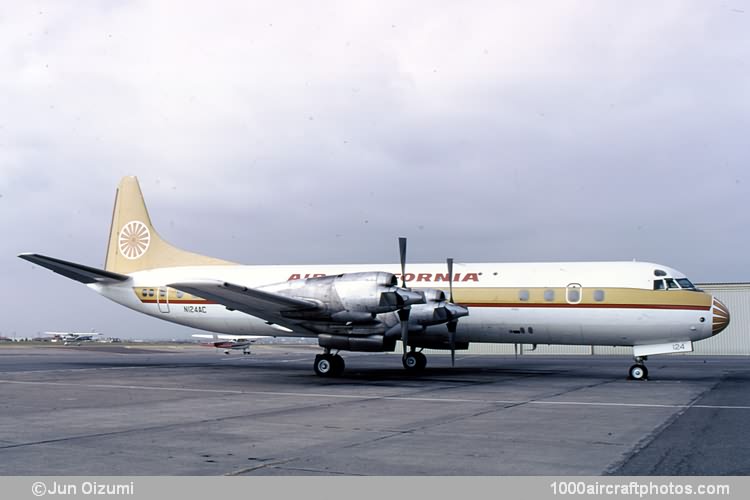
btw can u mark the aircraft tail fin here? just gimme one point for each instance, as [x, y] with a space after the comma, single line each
[134, 245]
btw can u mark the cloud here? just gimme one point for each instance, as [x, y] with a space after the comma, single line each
[267, 132]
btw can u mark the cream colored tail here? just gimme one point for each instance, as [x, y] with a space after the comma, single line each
[134, 244]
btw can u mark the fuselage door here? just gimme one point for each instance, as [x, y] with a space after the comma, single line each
[574, 293]
[162, 299]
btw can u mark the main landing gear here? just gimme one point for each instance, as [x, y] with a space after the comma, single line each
[414, 361]
[329, 365]
[332, 365]
[638, 371]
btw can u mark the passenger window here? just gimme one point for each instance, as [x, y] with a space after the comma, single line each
[523, 295]
[150, 292]
[658, 284]
[144, 292]
[549, 295]
[671, 284]
[573, 293]
[180, 294]
[599, 295]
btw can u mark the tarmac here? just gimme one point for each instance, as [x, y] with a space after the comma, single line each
[122, 410]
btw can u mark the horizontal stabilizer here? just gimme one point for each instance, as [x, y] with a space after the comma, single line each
[78, 272]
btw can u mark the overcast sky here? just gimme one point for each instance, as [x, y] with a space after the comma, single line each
[299, 132]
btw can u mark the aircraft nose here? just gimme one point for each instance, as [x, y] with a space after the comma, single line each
[721, 317]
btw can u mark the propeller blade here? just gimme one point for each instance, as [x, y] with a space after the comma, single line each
[403, 313]
[452, 329]
[402, 254]
[453, 324]
[450, 278]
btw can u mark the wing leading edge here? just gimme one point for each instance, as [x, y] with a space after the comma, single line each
[265, 305]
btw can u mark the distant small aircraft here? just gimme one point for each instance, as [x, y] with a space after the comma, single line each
[231, 342]
[76, 338]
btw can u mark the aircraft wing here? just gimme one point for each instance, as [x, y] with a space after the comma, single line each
[222, 336]
[78, 272]
[265, 305]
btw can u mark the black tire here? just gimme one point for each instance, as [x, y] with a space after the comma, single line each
[422, 359]
[414, 361]
[338, 365]
[324, 365]
[638, 372]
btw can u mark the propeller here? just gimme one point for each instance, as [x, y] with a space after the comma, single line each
[402, 254]
[403, 313]
[450, 279]
[452, 324]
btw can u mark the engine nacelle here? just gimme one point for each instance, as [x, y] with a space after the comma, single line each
[370, 343]
[435, 310]
[373, 292]
[348, 298]
[352, 317]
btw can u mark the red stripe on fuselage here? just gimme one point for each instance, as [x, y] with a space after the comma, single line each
[590, 306]
[177, 302]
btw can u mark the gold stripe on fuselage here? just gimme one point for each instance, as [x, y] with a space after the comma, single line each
[589, 297]
[631, 298]
[150, 294]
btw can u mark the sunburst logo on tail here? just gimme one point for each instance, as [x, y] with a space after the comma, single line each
[134, 239]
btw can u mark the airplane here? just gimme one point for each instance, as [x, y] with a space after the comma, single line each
[653, 308]
[69, 338]
[231, 342]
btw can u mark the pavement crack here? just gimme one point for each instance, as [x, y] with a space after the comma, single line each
[613, 468]
[264, 465]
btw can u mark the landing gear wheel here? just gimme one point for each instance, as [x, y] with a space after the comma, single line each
[328, 365]
[414, 361]
[338, 365]
[422, 361]
[638, 372]
[324, 365]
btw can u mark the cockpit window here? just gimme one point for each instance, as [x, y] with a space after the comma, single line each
[659, 272]
[671, 284]
[685, 283]
[659, 285]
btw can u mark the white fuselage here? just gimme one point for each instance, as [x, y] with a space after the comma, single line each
[594, 303]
